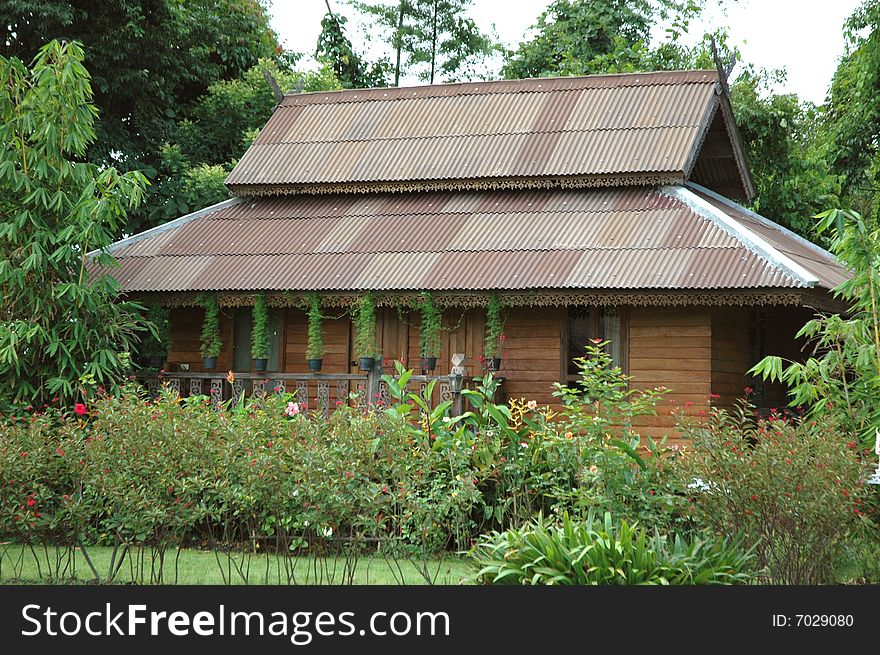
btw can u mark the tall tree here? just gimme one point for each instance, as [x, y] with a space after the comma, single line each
[435, 40]
[150, 61]
[220, 127]
[852, 126]
[60, 327]
[334, 47]
[576, 37]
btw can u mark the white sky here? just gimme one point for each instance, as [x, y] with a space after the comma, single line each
[802, 36]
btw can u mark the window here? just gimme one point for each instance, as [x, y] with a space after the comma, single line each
[241, 347]
[585, 323]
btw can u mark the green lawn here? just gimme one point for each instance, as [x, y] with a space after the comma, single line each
[22, 565]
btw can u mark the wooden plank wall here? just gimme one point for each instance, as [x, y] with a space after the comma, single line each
[186, 333]
[671, 347]
[731, 353]
[531, 360]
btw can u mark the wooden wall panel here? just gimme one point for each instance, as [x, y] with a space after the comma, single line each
[731, 353]
[186, 333]
[671, 348]
[531, 359]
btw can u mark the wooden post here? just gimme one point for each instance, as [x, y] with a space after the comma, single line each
[374, 376]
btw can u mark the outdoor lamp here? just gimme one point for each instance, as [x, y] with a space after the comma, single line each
[455, 382]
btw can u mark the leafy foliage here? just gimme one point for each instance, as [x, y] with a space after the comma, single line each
[352, 71]
[315, 346]
[429, 329]
[842, 378]
[150, 61]
[158, 343]
[365, 326]
[577, 37]
[852, 125]
[260, 328]
[792, 488]
[61, 320]
[494, 327]
[605, 553]
[210, 344]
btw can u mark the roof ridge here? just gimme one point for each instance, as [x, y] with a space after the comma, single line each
[520, 85]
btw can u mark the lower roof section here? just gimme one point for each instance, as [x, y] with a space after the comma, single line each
[649, 238]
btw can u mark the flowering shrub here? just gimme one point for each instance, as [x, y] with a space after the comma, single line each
[793, 488]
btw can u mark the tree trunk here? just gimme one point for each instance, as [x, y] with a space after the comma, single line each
[398, 42]
[434, 42]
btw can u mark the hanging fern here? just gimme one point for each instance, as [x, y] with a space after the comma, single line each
[494, 327]
[211, 344]
[429, 332]
[365, 326]
[315, 346]
[260, 331]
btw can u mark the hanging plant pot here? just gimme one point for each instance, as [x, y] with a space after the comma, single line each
[156, 361]
[209, 363]
[429, 363]
[260, 364]
[315, 365]
[493, 363]
[367, 363]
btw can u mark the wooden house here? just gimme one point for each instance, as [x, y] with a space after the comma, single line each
[592, 207]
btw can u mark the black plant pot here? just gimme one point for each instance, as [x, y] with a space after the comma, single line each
[260, 364]
[493, 364]
[209, 362]
[367, 363]
[156, 361]
[429, 363]
[315, 365]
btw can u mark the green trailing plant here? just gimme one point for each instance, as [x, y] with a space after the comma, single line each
[429, 330]
[604, 553]
[315, 345]
[365, 326]
[260, 329]
[210, 344]
[494, 328]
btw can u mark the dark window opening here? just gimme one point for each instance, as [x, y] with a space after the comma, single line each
[586, 323]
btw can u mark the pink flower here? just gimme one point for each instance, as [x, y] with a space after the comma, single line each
[79, 409]
[292, 409]
[230, 377]
[594, 469]
[532, 405]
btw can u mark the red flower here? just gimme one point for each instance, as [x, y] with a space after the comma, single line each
[79, 409]
[31, 502]
[60, 452]
[851, 445]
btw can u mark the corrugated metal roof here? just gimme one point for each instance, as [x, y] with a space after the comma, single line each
[624, 238]
[596, 125]
[816, 260]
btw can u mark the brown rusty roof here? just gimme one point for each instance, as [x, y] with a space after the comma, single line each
[621, 238]
[606, 125]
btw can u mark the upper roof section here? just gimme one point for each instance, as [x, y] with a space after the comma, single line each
[599, 130]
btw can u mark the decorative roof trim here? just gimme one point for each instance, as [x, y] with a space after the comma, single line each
[170, 225]
[491, 184]
[544, 298]
[752, 241]
[760, 219]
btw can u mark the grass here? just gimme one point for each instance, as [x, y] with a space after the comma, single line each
[50, 565]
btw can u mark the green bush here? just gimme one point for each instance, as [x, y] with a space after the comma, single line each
[794, 488]
[593, 553]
